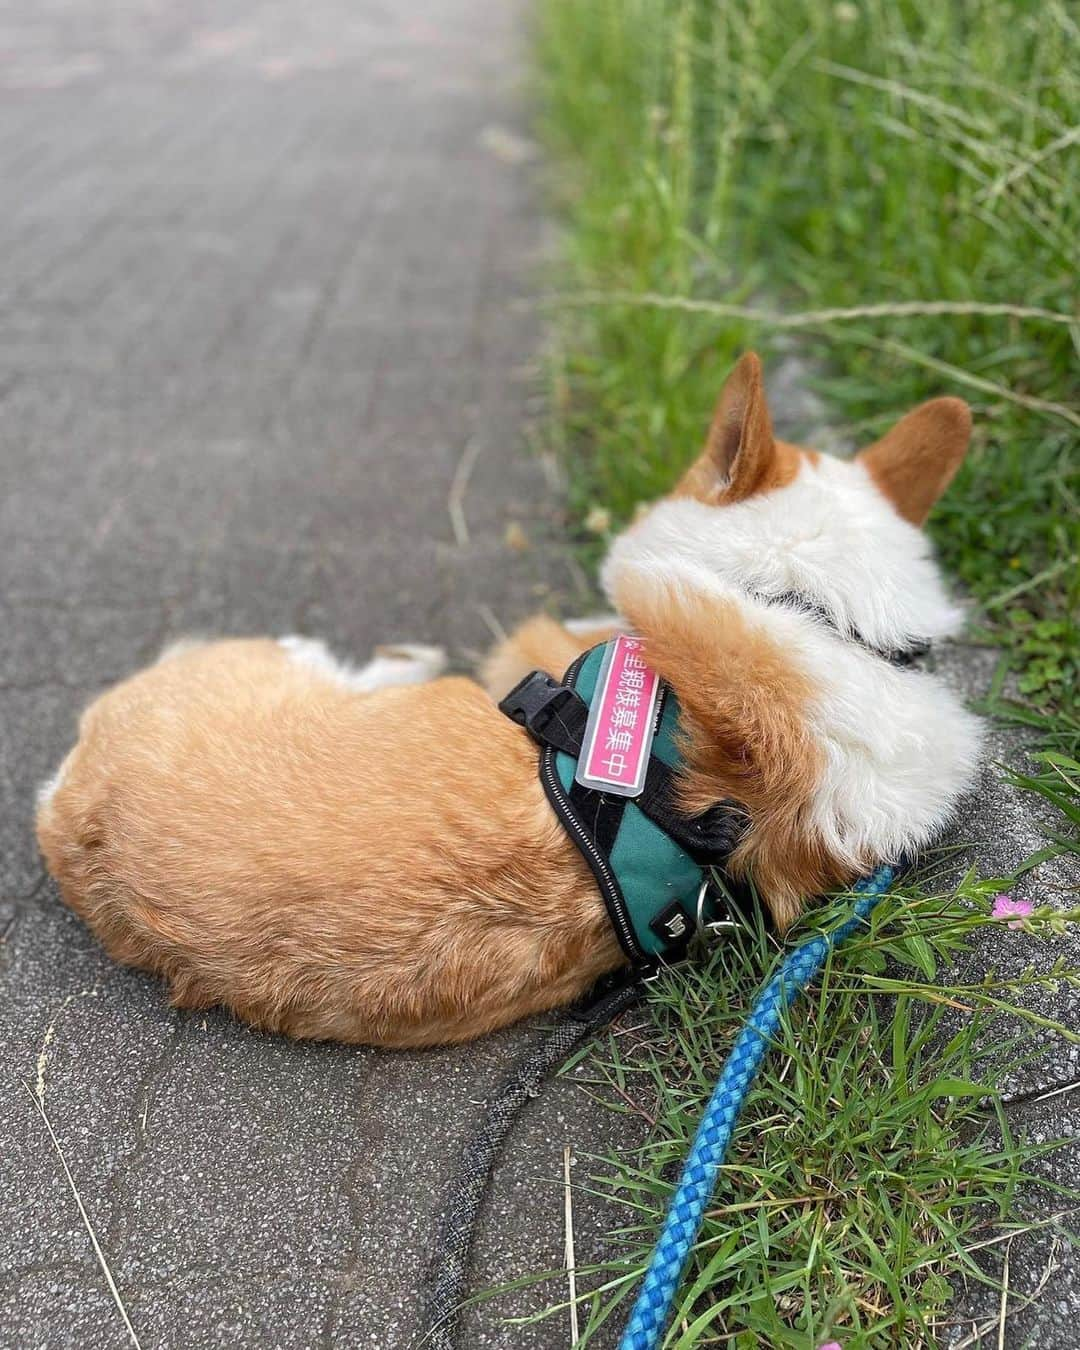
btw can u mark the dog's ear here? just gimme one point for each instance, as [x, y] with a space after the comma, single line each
[740, 450]
[916, 461]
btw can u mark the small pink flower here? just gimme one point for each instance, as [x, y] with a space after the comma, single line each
[1016, 911]
[831, 1345]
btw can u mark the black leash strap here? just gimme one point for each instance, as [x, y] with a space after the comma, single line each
[445, 1282]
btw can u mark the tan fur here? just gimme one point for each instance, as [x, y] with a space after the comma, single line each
[539, 644]
[744, 735]
[384, 867]
[916, 461]
[365, 867]
[744, 729]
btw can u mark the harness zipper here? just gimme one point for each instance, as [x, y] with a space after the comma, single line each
[616, 906]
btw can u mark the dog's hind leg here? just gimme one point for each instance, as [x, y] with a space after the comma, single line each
[541, 644]
[400, 663]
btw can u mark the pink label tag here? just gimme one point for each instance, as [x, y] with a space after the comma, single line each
[622, 721]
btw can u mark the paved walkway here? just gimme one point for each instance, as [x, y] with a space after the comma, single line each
[998, 827]
[259, 273]
[262, 369]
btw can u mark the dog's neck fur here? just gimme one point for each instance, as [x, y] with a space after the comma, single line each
[896, 746]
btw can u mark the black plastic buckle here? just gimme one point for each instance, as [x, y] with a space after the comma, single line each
[535, 701]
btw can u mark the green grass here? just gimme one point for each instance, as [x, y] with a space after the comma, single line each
[873, 1163]
[807, 156]
[726, 174]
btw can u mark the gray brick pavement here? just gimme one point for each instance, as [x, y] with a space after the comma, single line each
[260, 278]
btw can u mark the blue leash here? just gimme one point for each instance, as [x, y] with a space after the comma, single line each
[653, 1307]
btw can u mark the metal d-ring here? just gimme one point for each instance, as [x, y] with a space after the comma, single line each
[717, 925]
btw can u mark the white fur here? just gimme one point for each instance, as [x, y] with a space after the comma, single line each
[591, 623]
[830, 535]
[179, 647]
[48, 790]
[409, 663]
[898, 745]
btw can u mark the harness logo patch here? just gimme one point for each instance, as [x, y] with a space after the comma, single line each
[622, 721]
[672, 924]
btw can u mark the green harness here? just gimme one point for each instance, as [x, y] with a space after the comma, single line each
[651, 861]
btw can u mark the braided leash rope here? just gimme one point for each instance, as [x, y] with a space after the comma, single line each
[445, 1282]
[650, 1314]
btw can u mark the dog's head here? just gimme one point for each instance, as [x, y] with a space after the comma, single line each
[759, 513]
[840, 758]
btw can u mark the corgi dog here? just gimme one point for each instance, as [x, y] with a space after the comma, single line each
[367, 855]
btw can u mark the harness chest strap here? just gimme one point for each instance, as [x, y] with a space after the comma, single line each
[650, 860]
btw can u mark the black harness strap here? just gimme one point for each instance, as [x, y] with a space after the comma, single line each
[600, 812]
[556, 715]
[708, 837]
